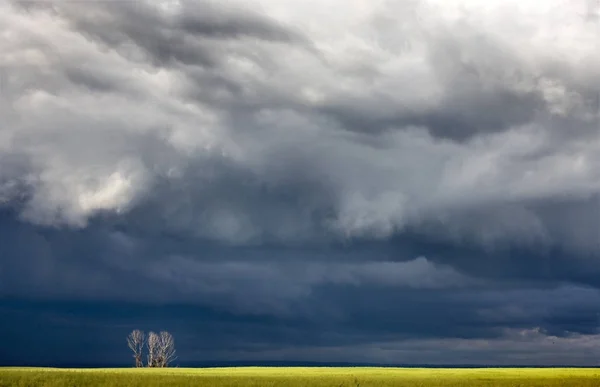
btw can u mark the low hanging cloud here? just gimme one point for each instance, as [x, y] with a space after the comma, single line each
[518, 346]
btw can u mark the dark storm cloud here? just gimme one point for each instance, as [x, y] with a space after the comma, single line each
[419, 332]
[91, 80]
[198, 34]
[339, 285]
[250, 303]
[346, 183]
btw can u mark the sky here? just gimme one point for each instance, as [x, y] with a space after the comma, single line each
[363, 181]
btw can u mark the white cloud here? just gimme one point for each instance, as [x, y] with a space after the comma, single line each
[343, 119]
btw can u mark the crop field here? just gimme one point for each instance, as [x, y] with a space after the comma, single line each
[299, 376]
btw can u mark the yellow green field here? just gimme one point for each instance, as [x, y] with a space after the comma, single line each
[299, 376]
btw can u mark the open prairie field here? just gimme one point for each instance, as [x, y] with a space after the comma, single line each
[298, 376]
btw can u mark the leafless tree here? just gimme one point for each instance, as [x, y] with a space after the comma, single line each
[166, 349]
[153, 350]
[135, 341]
[161, 349]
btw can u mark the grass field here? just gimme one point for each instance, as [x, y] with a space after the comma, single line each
[261, 376]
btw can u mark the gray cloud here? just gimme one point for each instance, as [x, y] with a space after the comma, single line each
[267, 95]
[527, 346]
[302, 159]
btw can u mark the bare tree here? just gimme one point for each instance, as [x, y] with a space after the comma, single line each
[166, 349]
[135, 342]
[153, 349]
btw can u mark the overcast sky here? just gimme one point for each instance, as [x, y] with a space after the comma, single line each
[395, 181]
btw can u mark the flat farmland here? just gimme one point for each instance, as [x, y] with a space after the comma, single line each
[301, 376]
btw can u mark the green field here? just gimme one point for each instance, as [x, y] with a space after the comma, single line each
[298, 376]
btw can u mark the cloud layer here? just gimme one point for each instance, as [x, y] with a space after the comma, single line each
[286, 158]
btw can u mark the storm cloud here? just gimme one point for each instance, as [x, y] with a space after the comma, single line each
[373, 181]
